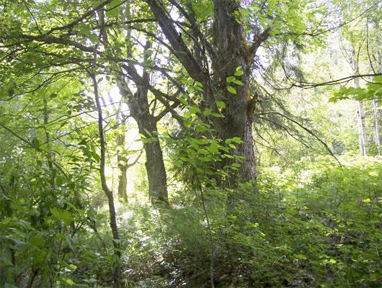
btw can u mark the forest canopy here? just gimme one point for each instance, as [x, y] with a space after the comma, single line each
[190, 143]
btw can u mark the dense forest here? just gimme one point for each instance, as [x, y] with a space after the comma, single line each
[190, 143]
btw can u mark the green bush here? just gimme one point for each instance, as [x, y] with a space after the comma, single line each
[325, 232]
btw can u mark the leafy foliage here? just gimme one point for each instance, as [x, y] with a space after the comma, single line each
[302, 221]
[373, 90]
[321, 229]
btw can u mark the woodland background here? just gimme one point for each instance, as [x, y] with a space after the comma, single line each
[190, 143]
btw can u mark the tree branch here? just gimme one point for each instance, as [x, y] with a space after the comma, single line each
[181, 50]
[309, 131]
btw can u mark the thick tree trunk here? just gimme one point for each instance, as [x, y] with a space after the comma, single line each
[122, 183]
[238, 114]
[211, 63]
[237, 122]
[156, 173]
[147, 126]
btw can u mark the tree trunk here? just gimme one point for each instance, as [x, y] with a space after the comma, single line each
[156, 173]
[376, 125]
[211, 63]
[122, 165]
[147, 126]
[105, 188]
[361, 129]
[360, 110]
[233, 53]
[375, 101]
[361, 124]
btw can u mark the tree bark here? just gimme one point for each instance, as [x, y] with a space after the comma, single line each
[233, 52]
[122, 165]
[147, 126]
[227, 52]
[105, 188]
[376, 126]
[139, 107]
[156, 173]
[360, 110]
[361, 128]
[375, 101]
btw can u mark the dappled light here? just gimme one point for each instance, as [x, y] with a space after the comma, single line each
[190, 143]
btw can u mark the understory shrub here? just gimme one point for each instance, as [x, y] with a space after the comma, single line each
[320, 232]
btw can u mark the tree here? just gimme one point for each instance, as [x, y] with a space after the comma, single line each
[217, 47]
[365, 37]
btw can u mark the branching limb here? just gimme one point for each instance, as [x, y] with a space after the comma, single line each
[309, 132]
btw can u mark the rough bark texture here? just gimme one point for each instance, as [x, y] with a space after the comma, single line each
[156, 173]
[147, 126]
[233, 52]
[227, 51]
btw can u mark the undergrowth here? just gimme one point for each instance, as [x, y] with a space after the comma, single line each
[316, 227]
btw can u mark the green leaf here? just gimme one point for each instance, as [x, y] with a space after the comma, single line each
[70, 282]
[230, 79]
[188, 123]
[237, 140]
[214, 147]
[238, 82]
[201, 129]
[332, 261]
[72, 267]
[93, 38]
[203, 151]
[236, 165]
[148, 133]
[217, 115]
[115, 11]
[85, 30]
[194, 110]
[220, 104]
[205, 159]
[207, 112]
[231, 90]
[239, 71]
[63, 215]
